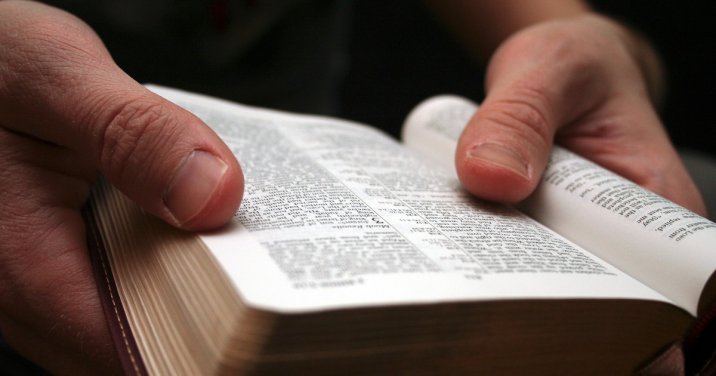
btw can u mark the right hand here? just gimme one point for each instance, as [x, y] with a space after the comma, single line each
[584, 83]
[68, 114]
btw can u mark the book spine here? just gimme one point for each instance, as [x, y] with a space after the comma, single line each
[123, 340]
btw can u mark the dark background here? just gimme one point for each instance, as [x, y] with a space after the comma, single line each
[400, 55]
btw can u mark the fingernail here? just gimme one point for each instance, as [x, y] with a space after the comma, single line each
[193, 184]
[500, 156]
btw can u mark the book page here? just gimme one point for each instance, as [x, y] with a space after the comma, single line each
[339, 215]
[658, 242]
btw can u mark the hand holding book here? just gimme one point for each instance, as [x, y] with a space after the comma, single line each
[68, 114]
[545, 84]
[85, 117]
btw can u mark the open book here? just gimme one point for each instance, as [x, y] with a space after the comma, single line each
[355, 254]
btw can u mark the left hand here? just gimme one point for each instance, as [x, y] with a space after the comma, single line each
[583, 82]
[67, 114]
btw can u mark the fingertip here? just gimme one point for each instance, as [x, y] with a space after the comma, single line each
[494, 172]
[204, 192]
[224, 203]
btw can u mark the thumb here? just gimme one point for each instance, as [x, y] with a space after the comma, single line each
[61, 86]
[162, 157]
[531, 92]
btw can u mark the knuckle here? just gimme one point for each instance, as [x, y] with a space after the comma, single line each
[43, 38]
[135, 133]
[524, 114]
[555, 42]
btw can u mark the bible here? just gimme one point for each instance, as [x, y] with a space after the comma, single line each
[353, 253]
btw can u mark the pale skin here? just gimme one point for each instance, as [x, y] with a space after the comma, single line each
[68, 114]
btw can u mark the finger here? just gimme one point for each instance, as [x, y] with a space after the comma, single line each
[59, 84]
[533, 89]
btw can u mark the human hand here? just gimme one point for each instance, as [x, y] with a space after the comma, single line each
[584, 82]
[67, 114]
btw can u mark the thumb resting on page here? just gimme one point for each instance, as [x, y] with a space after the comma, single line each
[60, 85]
[575, 81]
